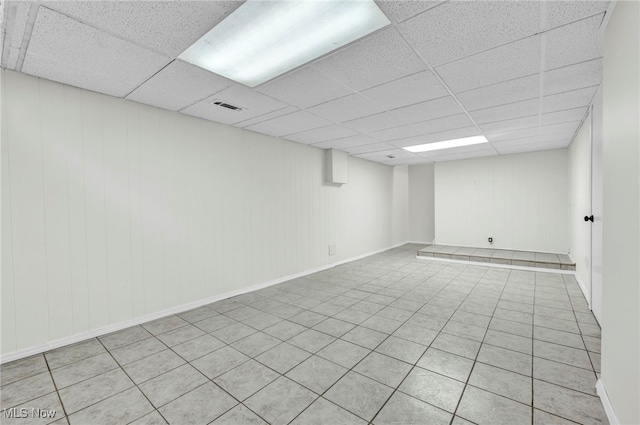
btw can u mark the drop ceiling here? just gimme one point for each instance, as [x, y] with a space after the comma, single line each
[522, 73]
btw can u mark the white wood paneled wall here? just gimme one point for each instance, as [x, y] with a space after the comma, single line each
[519, 199]
[113, 210]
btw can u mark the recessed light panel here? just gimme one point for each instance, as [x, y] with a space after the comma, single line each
[263, 39]
[455, 143]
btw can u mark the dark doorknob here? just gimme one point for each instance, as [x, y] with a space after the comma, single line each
[588, 218]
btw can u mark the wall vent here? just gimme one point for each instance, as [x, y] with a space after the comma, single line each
[226, 105]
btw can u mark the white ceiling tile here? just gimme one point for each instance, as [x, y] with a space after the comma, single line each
[165, 26]
[266, 128]
[509, 125]
[561, 130]
[562, 12]
[498, 94]
[585, 74]
[406, 91]
[568, 100]
[65, 50]
[399, 11]
[514, 147]
[465, 155]
[535, 139]
[397, 153]
[443, 124]
[304, 88]
[375, 122]
[394, 133]
[577, 42]
[251, 102]
[438, 137]
[459, 153]
[569, 115]
[346, 142]
[178, 85]
[346, 108]
[505, 112]
[379, 58]
[317, 135]
[514, 60]
[372, 148]
[461, 28]
[428, 110]
[299, 121]
[17, 14]
[266, 117]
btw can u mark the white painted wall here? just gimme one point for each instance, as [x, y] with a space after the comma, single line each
[519, 199]
[579, 161]
[400, 204]
[112, 210]
[621, 212]
[421, 203]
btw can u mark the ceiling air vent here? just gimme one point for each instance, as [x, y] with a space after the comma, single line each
[226, 105]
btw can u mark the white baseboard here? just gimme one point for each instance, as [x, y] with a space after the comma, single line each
[41, 348]
[584, 290]
[606, 403]
[496, 265]
[422, 242]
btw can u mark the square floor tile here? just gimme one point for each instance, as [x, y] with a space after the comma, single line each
[164, 324]
[334, 327]
[233, 333]
[180, 335]
[173, 384]
[506, 359]
[415, 334]
[359, 395]
[26, 389]
[246, 379]
[198, 347]
[262, 320]
[152, 366]
[220, 361]
[564, 375]
[343, 353]
[214, 323]
[23, 368]
[317, 374]
[198, 314]
[124, 337]
[255, 344]
[72, 353]
[567, 403]
[122, 408]
[285, 330]
[402, 409]
[323, 412]
[93, 390]
[239, 415]
[83, 369]
[381, 324]
[433, 388]
[199, 406]
[281, 401]
[308, 318]
[562, 354]
[510, 341]
[365, 337]
[456, 345]
[311, 341]
[447, 364]
[138, 350]
[502, 382]
[352, 316]
[384, 369]
[153, 418]
[483, 407]
[402, 349]
[282, 358]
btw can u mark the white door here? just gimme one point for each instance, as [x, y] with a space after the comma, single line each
[596, 206]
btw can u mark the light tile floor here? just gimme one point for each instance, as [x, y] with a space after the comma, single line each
[388, 339]
[544, 260]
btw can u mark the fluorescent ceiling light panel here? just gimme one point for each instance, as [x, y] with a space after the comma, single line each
[454, 143]
[263, 39]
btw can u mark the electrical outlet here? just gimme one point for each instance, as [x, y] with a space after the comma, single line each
[332, 249]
